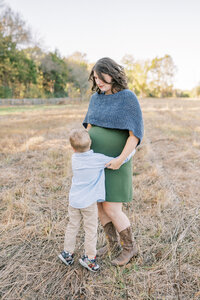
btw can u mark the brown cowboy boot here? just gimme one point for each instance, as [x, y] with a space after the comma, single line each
[129, 248]
[112, 239]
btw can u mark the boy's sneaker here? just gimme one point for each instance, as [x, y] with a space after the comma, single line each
[66, 257]
[89, 264]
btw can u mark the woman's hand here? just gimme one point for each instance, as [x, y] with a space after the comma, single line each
[88, 126]
[114, 164]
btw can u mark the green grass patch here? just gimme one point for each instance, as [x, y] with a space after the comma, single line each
[7, 110]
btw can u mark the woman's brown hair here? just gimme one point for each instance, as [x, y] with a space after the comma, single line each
[108, 66]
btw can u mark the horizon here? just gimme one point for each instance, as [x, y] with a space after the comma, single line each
[170, 27]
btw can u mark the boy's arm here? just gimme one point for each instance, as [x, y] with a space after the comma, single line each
[107, 159]
[102, 159]
[125, 161]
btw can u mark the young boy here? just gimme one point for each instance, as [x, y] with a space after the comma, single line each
[88, 188]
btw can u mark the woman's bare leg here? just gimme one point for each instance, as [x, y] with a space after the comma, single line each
[104, 219]
[110, 231]
[112, 212]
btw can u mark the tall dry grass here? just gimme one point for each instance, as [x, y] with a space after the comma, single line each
[35, 177]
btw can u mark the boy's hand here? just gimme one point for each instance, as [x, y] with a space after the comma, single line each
[114, 164]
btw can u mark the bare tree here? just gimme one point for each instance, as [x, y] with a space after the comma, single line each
[14, 26]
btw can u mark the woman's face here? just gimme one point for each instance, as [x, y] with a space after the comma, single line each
[104, 87]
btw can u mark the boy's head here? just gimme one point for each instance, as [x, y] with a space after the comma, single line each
[80, 140]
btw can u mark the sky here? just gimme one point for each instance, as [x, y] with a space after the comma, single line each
[142, 28]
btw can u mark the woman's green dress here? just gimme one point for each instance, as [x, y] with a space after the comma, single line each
[111, 142]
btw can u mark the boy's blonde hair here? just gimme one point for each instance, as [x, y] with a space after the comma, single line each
[80, 140]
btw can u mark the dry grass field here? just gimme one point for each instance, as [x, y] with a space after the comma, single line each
[35, 177]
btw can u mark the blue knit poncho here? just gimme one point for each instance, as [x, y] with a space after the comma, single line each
[116, 111]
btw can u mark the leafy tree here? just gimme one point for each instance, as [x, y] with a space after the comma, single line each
[162, 71]
[15, 68]
[128, 62]
[17, 71]
[35, 53]
[150, 78]
[78, 74]
[55, 73]
[196, 91]
[137, 73]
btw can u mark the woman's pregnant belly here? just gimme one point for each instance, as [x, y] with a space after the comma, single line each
[108, 141]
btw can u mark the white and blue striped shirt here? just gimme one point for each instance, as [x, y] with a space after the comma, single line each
[88, 181]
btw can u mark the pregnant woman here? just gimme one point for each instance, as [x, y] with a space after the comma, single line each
[115, 125]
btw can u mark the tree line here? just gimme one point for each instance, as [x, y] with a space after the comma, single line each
[27, 71]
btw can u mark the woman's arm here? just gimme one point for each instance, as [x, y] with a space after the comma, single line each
[130, 145]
